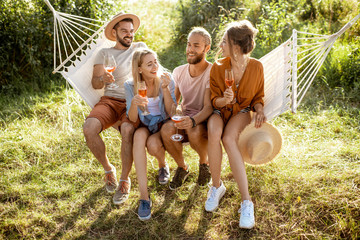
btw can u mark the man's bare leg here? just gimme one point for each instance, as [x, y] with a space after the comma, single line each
[198, 141]
[173, 148]
[92, 128]
[127, 132]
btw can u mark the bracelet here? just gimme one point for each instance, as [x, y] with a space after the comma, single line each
[193, 121]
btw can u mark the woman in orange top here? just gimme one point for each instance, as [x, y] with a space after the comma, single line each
[232, 112]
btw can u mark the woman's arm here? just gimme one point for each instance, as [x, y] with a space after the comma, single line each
[132, 102]
[168, 88]
[219, 98]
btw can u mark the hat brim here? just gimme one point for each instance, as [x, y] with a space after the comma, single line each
[115, 20]
[249, 131]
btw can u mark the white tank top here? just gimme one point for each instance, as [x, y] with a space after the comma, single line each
[153, 106]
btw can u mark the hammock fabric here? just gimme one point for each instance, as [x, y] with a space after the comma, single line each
[289, 69]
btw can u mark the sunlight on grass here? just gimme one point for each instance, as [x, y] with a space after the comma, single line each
[53, 183]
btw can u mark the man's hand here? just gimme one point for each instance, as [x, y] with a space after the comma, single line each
[186, 123]
[107, 78]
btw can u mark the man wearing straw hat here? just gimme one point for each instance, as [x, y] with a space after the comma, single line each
[111, 109]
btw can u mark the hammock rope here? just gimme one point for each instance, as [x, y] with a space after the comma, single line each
[289, 69]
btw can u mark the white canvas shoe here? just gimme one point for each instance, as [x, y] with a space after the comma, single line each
[213, 197]
[247, 219]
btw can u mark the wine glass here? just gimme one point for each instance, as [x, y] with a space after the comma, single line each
[229, 77]
[110, 65]
[177, 116]
[142, 90]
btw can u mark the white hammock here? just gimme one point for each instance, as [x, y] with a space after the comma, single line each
[289, 69]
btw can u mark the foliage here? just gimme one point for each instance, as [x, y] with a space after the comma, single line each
[27, 33]
[275, 21]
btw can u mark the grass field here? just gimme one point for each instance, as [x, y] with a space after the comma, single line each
[51, 186]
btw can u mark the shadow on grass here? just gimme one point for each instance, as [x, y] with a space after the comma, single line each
[84, 209]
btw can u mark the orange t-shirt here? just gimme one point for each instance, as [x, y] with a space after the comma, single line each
[249, 92]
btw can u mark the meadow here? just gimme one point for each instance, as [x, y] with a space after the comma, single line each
[51, 185]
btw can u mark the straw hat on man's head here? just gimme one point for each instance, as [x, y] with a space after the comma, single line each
[259, 145]
[117, 18]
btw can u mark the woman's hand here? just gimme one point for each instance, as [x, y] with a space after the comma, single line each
[259, 118]
[165, 80]
[228, 95]
[139, 100]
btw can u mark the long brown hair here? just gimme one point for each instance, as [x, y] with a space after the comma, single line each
[242, 34]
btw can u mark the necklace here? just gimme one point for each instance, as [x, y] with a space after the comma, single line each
[239, 70]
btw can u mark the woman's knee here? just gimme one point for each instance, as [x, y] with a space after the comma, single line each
[229, 140]
[140, 135]
[127, 129]
[167, 129]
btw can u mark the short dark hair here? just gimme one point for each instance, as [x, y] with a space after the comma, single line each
[123, 20]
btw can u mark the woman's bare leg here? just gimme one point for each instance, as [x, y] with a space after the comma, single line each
[230, 138]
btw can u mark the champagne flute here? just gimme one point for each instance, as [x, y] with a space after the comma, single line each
[177, 116]
[229, 77]
[142, 90]
[110, 65]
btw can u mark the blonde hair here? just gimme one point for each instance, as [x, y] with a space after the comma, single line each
[137, 60]
[202, 32]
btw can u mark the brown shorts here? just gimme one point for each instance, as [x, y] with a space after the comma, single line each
[109, 111]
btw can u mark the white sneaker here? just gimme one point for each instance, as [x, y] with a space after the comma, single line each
[213, 197]
[247, 219]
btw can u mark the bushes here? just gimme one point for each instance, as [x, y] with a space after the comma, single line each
[275, 21]
[26, 52]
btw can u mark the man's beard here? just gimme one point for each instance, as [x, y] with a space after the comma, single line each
[122, 42]
[197, 59]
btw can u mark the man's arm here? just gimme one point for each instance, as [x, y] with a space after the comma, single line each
[100, 77]
[201, 116]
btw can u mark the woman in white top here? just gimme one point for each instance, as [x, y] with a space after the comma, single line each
[158, 101]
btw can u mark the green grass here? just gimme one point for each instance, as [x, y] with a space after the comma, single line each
[51, 185]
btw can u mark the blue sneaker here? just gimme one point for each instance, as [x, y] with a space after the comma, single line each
[144, 210]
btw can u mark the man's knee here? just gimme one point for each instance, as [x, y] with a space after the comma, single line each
[91, 126]
[154, 147]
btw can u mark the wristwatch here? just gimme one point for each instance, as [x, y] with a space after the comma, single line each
[193, 121]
